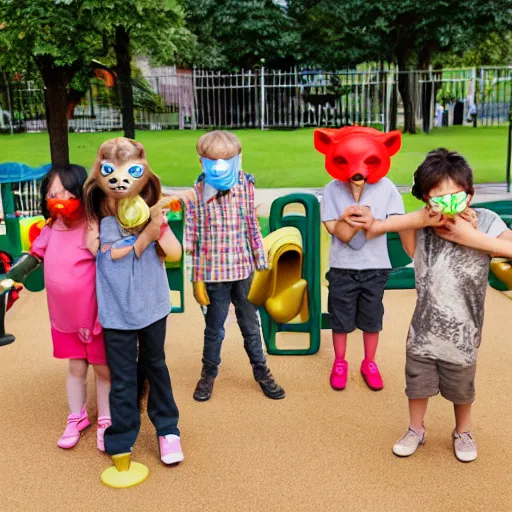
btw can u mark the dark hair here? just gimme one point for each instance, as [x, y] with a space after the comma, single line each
[73, 178]
[438, 166]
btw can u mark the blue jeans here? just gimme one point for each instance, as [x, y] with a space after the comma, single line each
[221, 295]
[130, 364]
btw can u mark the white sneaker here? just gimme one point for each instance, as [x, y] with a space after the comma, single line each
[408, 443]
[464, 446]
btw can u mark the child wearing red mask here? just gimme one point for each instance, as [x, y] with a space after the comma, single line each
[70, 281]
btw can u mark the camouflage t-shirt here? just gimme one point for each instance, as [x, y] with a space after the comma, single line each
[451, 283]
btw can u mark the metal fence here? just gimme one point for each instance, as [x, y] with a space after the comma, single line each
[168, 98]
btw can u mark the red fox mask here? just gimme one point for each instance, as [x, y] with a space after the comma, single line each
[357, 153]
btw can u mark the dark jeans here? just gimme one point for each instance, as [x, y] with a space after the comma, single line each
[128, 371]
[221, 295]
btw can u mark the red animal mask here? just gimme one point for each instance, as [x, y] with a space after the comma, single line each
[357, 153]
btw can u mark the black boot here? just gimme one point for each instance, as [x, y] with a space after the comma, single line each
[204, 387]
[268, 385]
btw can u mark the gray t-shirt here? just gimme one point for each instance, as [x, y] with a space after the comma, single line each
[132, 292]
[451, 283]
[359, 254]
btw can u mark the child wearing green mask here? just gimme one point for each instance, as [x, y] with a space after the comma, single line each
[451, 284]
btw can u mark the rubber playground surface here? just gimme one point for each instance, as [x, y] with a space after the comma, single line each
[316, 450]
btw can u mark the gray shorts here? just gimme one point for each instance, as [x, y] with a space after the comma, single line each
[425, 378]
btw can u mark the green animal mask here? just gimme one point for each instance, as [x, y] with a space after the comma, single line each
[450, 204]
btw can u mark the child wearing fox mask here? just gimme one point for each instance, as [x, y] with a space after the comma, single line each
[358, 159]
[70, 281]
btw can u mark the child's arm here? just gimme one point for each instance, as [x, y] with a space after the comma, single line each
[190, 235]
[347, 225]
[187, 196]
[168, 242]
[408, 239]
[410, 221]
[254, 233]
[463, 233]
[93, 237]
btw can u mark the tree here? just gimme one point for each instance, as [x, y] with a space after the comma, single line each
[407, 32]
[150, 27]
[495, 50]
[234, 34]
[55, 37]
[334, 35]
[414, 31]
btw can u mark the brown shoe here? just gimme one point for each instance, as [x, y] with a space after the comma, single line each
[270, 387]
[204, 388]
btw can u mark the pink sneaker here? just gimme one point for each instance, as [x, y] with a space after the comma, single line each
[170, 449]
[371, 375]
[339, 374]
[103, 423]
[76, 424]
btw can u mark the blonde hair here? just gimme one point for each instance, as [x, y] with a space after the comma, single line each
[218, 144]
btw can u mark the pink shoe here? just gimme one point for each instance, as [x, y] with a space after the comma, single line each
[339, 374]
[103, 423]
[76, 424]
[371, 375]
[170, 449]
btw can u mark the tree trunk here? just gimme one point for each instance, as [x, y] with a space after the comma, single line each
[124, 73]
[427, 89]
[407, 99]
[56, 80]
[393, 119]
[426, 104]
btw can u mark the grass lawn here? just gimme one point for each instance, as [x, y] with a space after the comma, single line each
[276, 158]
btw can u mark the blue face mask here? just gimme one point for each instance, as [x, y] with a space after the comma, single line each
[221, 174]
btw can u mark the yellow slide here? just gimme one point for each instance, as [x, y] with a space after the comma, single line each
[502, 269]
[281, 288]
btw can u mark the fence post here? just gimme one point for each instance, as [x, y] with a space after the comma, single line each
[509, 145]
[9, 103]
[262, 100]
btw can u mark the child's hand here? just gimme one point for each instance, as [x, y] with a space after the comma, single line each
[349, 212]
[358, 216]
[433, 219]
[361, 218]
[469, 215]
[157, 219]
[456, 230]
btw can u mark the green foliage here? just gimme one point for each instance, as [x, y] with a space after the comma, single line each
[410, 32]
[335, 35]
[35, 29]
[235, 34]
[495, 50]
[156, 27]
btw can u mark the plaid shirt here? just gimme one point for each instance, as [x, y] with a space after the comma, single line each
[222, 235]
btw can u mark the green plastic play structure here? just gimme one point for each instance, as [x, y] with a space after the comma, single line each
[309, 225]
[176, 270]
[11, 241]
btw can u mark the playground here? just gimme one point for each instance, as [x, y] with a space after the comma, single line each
[350, 332]
[315, 450]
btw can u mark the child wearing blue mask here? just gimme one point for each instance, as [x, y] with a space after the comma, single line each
[225, 246]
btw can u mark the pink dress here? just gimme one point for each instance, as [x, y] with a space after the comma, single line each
[70, 281]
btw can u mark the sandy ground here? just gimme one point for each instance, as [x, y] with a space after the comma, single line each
[317, 450]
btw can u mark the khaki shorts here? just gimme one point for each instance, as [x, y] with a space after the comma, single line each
[425, 378]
